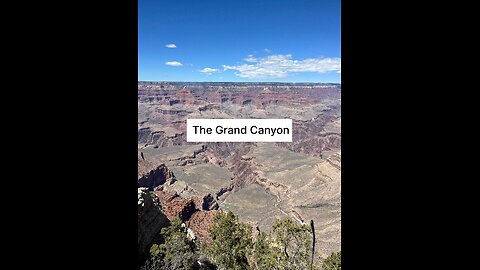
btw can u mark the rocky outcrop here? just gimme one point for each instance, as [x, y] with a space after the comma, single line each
[206, 202]
[156, 209]
[148, 136]
[200, 222]
[209, 203]
[175, 206]
[196, 212]
[151, 220]
[157, 177]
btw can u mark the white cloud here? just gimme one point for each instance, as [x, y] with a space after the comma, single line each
[208, 70]
[267, 50]
[280, 66]
[250, 58]
[171, 46]
[174, 64]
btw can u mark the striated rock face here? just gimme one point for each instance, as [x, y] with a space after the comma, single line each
[317, 136]
[163, 108]
[257, 94]
[150, 220]
[157, 177]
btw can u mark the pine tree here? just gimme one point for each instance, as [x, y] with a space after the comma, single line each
[231, 242]
[287, 246]
[177, 251]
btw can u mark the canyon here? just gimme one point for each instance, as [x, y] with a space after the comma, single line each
[257, 181]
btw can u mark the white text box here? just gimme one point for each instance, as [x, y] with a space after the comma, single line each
[239, 130]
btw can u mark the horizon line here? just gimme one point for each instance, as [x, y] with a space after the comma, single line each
[231, 82]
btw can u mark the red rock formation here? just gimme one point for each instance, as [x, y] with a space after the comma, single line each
[200, 222]
[175, 206]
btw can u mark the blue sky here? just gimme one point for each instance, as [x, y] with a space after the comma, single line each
[241, 40]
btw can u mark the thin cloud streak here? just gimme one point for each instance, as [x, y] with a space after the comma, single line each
[174, 64]
[280, 66]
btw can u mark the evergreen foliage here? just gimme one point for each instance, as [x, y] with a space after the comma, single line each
[333, 262]
[177, 251]
[286, 246]
[231, 242]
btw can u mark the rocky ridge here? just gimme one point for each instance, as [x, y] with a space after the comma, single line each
[159, 203]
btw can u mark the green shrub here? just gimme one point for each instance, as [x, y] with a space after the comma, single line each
[332, 262]
[231, 242]
[287, 246]
[177, 251]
